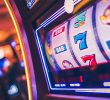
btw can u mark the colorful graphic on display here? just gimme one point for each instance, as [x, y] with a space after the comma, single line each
[66, 64]
[82, 38]
[105, 18]
[60, 46]
[59, 31]
[80, 20]
[60, 49]
[81, 45]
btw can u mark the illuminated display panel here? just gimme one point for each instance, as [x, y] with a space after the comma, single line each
[76, 53]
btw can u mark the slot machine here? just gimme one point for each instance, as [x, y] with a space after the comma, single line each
[69, 47]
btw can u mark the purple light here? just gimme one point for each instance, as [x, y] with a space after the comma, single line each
[54, 18]
[42, 58]
[95, 90]
[22, 64]
[55, 14]
[1, 73]
[13, 43]
[6, 63]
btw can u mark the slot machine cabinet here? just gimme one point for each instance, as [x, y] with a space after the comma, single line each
[67, 54]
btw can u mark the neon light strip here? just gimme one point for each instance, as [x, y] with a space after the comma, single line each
[22, 49]
[96, 91]
[56, 16]
[42, 57]
[81, 89]
[54, 19]
[38, 28]
[62, 8]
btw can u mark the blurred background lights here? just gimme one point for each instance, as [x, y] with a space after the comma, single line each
[1, 73]
[22, 64]
[6, 66]
[29, 4]
[13, 90]
[10, 57]
[6, 63]
[1, 54]
[13, 43]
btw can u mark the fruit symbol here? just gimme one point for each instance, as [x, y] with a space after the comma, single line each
[105, 18]
[67, 64]
[80, 20]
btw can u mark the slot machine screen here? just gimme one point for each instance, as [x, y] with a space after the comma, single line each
[76, 53]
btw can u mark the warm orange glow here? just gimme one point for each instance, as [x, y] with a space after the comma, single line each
[6, 26]
[104, 0]
[22, 48]
[81, 4]
[3, 34]
[8, 53]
